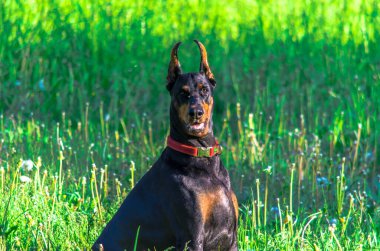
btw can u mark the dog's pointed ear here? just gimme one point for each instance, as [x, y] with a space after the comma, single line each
[174, 67]
[204, 67]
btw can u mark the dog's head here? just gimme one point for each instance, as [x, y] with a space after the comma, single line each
[192, 94]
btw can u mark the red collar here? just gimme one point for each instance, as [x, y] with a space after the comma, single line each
[194, 151]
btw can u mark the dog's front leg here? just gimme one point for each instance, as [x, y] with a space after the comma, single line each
[190, 244]
[189, 234]
[185, 223]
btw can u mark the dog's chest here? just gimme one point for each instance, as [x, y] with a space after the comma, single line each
[213, 204]
[214, 198]
[218, 215]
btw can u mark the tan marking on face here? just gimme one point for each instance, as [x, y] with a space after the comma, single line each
[236, 206]
[183, 112]
[207, 108]
[186, 88]
[207, 202]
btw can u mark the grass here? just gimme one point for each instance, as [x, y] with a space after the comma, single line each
[66, 198]
[84, 114]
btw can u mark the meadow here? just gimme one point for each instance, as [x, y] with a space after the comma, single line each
[84, 113]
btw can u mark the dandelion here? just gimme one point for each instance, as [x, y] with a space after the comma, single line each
[275, 211]
[17, 241]
[332, 228]
[332, 224]
[268, 170]
[107, 117]
[342, 219]
[39, 162]
[41, 85]
[31, 222]
[27, 165]
[287, 219]
[296, 132]
[369, 157]
[25, 179]
[322, 181]
[47, 191]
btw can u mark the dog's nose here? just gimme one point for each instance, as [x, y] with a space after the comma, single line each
[195, 112]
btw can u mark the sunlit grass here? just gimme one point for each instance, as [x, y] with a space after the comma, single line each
[61, 192]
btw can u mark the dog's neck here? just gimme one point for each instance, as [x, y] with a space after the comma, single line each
[178, 135]
[206, 141]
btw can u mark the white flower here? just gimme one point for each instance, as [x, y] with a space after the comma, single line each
[107, 117]
[27, 165]
[41, 85]
[25, 179]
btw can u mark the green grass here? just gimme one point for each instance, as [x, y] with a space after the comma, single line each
[296, 108]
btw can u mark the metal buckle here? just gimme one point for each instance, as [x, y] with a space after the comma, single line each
[204, 151]
[218, 149]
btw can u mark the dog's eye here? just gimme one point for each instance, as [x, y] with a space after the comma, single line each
[204, 91]
[185, 94]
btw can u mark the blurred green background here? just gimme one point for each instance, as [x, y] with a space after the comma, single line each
[292, 57]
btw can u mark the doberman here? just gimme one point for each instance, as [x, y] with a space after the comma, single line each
[185, 200]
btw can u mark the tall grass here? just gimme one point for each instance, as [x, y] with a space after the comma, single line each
[62, 199]
[84, 114]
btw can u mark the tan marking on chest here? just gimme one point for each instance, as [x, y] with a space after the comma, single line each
[236, 206]
[207, 202]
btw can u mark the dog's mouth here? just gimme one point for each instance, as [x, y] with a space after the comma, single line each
[196, 126]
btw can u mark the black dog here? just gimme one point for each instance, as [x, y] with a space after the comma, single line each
[185, 200]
